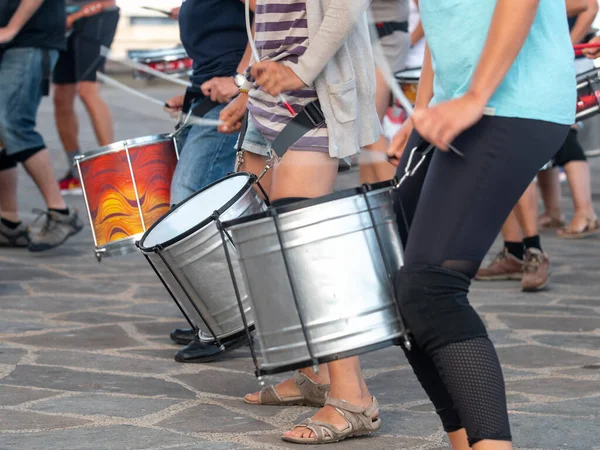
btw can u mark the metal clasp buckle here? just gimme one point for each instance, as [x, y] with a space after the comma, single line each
[314, 113]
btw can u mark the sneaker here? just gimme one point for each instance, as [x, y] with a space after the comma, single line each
[69, 185]
[56, 230]
[503, 267]
[18, 237]
[536, 270]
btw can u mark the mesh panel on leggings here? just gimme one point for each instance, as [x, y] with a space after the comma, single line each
[472, 374]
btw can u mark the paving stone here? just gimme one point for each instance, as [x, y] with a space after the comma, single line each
[78, 287]
[17, 272]
[553, 387]
[261, 410]
[160, 328]
[218, 382]
[213, 419]
[547, 432]
[97, 318]
[166, 354]
[566, 310]
[10, 326]
[107, 405]
[504, 337]
[120, 437]
[534, 357]
[410, 423]
[75, 381]
[582, 407]
[396, 387]
[103, 362]
[54, 304]
[577, 278]
[551, 323]
[388, 357]
[164, 309]
[11, 288]
[158, 293]
[21, 421]
[11, 355]
[593, 302]
[371, 442]
[12, 396]
[578, 341]
[95, 338]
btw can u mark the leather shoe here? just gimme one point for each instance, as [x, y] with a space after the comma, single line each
[201, 352]
[182, 336]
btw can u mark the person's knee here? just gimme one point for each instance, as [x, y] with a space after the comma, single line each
[88, 92]
[64, 97]
[434, 305]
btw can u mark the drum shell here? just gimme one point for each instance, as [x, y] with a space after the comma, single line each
[338, 275]
[199, 266]
[588, 94]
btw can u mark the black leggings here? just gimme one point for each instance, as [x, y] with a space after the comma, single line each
[454, 209]
[570, 151]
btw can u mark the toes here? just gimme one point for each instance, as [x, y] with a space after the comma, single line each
[252, 398]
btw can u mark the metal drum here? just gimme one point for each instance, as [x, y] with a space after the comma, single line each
[588, 94]
[186, 251]
[319, 277]
[171, 61]
[409, 83]
[126, 187]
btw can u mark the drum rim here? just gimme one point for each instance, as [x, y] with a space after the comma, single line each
[311, 202]
[120, 145]
[205, 222]
[399, 77]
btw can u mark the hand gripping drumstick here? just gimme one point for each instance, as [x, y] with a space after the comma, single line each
[257, 56]
[579, 48]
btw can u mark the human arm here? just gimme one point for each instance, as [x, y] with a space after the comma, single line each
[24, 12]
[174, 13]
[584, 21]
[418, 33]
[575, 7]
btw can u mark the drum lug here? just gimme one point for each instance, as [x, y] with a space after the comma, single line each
[98, 257]
[407, 343]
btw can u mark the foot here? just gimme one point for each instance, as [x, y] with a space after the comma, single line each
[328, 414]
[581, 225]
[69, 184]
[14, 237]
[289, 387]
[549, 221]
[201, 352]
[182, 336]
[56, 230]
[536, 270]
[503, 267]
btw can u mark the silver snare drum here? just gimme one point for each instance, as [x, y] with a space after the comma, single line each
[319, 275]
[185, 249]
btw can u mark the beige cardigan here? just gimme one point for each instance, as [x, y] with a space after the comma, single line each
[339, 62]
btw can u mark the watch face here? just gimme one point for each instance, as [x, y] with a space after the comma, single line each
[239, 80]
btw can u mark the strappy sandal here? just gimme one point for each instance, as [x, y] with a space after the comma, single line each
[551, 223]
[311, 394]
[360, 422]
[591, 228]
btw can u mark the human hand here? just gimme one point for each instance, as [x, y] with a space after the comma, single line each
[275, 77]
[442, 123]
[233, 114]
[593, 53]
[7, 34]
[220, 89]
[398, 144]
[174, 105]
[174, 14]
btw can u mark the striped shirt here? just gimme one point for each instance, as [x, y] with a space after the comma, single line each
[281, 34]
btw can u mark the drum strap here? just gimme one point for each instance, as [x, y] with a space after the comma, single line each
[386, 28]
[197, 102]
[46, 72]
[308, 119]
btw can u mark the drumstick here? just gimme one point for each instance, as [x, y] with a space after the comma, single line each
[162, 11]
[105, 52]
[112, 82]
[257, 56]
[200, 121]
[588, 45]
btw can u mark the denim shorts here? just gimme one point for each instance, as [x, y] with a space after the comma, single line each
[20, 96]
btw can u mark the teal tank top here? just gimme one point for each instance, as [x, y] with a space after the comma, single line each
[541, 83]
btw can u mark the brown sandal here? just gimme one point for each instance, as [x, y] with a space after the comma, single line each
[551, 223]
[360, 422]
[591, 228]
[311, 394]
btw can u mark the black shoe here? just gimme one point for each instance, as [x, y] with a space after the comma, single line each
[200, 352]
[182, 336]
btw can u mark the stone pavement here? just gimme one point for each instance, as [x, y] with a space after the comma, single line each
[86, 363]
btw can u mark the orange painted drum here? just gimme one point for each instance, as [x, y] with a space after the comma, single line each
[409, 83]
[126, 187]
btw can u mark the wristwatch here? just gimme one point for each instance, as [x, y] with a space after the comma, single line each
[242, 83]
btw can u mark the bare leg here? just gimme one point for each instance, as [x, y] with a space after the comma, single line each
[511, 231]
[8, 195]
[39, 167]
[493, 445]
[578, 176]
[458, 440]
[89, 93]
[549, 184]
[527, 211]
[374, 166]
[255, 164]
[65, 117]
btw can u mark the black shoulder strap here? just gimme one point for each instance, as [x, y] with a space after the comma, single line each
[309, 118]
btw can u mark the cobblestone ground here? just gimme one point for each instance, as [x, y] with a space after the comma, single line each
[86, 363]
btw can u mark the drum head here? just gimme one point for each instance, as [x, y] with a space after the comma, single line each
[409, 75]
[195, 212]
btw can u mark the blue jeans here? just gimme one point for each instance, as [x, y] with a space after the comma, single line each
[20, 97]
[205, 156]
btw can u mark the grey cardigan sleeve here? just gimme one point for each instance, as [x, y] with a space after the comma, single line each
[338, 22]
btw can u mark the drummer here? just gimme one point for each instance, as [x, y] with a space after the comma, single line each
[218, 50]
[329, 61]
[502, 94]
[391, 20]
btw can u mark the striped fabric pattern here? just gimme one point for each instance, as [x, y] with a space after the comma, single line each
[282, 35]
